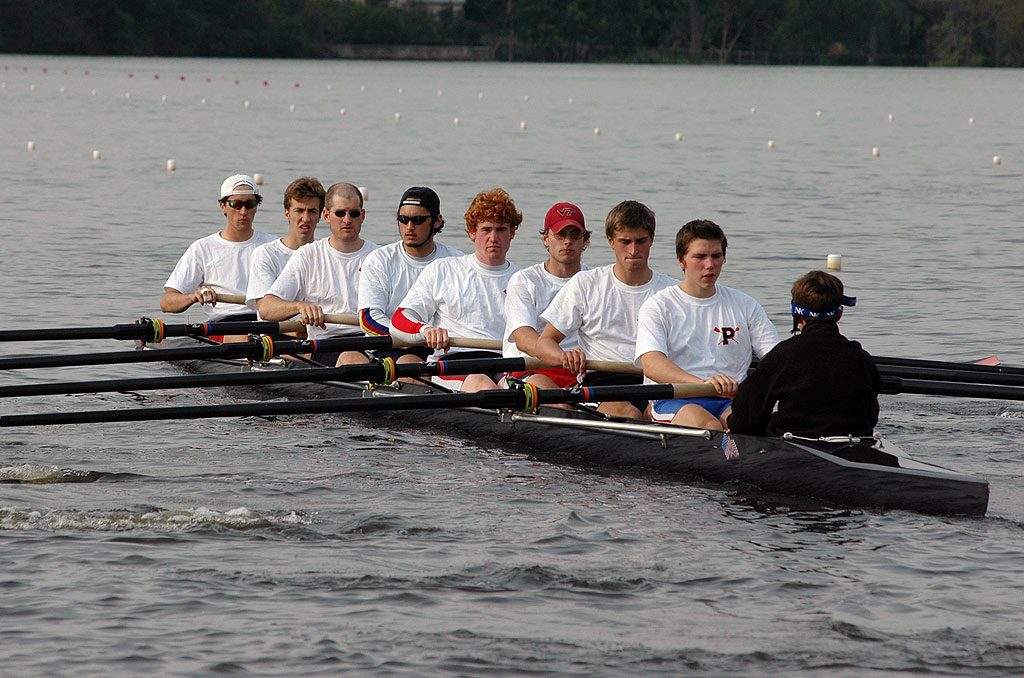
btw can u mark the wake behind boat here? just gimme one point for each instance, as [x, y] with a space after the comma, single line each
[864, 472]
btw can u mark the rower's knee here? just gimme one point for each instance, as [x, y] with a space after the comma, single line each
[351, 358]
[478, 382]
[695, 416]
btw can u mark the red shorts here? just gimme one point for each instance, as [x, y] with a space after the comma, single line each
[562, 377]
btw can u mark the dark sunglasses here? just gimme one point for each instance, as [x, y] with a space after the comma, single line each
[239, 204]
[354, 214]
[416, 221]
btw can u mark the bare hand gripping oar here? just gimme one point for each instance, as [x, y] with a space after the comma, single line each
[376, 372]
[525, 398]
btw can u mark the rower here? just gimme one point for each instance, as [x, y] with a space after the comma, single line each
[531, 289]
[303, 203]
[388, 272]
[816, 383]
[602, 306]
[322, 277]
[219, 263]
[465, 295]
[700, 332]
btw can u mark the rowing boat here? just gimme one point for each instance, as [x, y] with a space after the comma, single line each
[858, 472]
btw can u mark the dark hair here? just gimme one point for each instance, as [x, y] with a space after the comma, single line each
[818, 291]
[629, 214]
[304, 188]
[698, 229]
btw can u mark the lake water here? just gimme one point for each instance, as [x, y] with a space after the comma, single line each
[321, 545]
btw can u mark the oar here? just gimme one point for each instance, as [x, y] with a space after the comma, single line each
[942, 365]
[525, 398]
[959, 374]
[892, 384]
[150, 331]
[376, 372]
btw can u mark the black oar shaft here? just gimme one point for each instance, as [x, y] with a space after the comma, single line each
[498, 399]
[368, 372]
[141, 331]
[962, 375]
[891, 384]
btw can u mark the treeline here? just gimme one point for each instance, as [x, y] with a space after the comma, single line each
[839, 32]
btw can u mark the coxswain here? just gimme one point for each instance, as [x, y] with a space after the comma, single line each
[817, 383]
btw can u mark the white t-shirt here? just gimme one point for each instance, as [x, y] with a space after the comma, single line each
[604, 311]
[461, 295]
[322, 275]
[529, 293]
[220, 264]
[267, 262]
[706, 337]
[386, 276]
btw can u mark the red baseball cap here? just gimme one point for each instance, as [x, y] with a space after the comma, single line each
[564, 214]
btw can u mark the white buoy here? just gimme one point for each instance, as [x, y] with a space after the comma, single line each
[61, 88]
[31, 145]
[834, 262]
[874, 152]
[753, 109]
[522, 125]
[771, 143]
[93, 92]
[456, 122]
[365, 192]
[526, 97]
[330, 87]
[570, 100]
[597, 131]
[970, 121]
[401, 90]
[202, 102]
[480, 95]
[341, 111]
[95, 155]
[891, 117]
[996, 160]
[245, 104]
[163, 98]
[258, 178]
[32, 87]
[362, 88]
[3, 85]
[171, 166]
[398, 116]
[127, 95]
[292, 108]
[679, 137]
[439, 92]
[817, 114]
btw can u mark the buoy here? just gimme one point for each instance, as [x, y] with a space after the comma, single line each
[292, 108]
[363, 191]
[182, 78]
[61, 88]
[597, 131]
[265, 83]
[439, 92]
[31, 145]
[526, 97]
[156, 76]
[171, 166]
[330, 87]
[834, 262]
[891, 117]
[480, 95]
[679, 137]
[362, 88]
[970, 121]
[341, 111]
[236, 82]
[32, 87]
[456, 122]
[771, 143]
[401, 90]
[93, 92]
[258, 178]
[95, 155]
[203, 101]
[3, 85]
[570, 100]
[127, 95]
[753, 109]
[874, 152]
[164, 98]
[522, 125]
[996, 160]
[398, 116]
[818, 114]
[245, 104]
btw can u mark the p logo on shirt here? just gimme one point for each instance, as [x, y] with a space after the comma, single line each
[728, 334]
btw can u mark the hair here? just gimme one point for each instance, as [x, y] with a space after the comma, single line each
[304, 188]
[629, 214]
[699, 229]
[494, 205]
[344, 191]
[818, 291]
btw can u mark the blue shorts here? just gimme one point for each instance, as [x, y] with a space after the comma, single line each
[664, 410]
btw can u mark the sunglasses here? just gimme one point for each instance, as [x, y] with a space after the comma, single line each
[239, 204]
[416, 221]
[354, 214]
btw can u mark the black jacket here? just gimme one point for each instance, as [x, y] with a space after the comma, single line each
[824, 384]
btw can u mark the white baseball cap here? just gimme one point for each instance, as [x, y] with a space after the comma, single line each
[238, 184]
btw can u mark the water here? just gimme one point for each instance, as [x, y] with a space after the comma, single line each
[323, 545]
